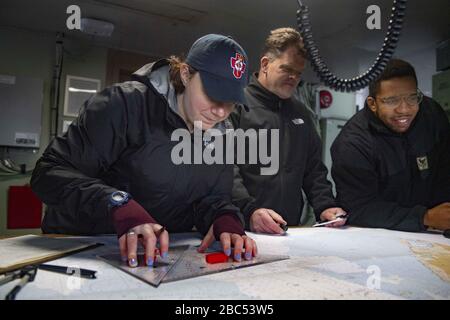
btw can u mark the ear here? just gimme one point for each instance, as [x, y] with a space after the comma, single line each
[184, 73]
[264, 63]
[372, 104]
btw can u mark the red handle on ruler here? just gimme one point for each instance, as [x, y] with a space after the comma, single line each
[216, 257]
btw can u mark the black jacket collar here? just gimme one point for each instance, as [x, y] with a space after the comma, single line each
[141, 75]
[268, 98]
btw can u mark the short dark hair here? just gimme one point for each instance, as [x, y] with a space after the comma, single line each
[281, 39]
[395, 68]
[174, 73]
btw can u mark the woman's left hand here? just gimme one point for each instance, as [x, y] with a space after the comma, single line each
[240, 243]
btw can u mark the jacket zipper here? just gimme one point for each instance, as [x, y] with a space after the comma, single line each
[281, 149]
[409, 166]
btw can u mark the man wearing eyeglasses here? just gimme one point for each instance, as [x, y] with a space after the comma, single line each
[391, 161]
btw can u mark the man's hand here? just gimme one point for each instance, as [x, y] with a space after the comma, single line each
[228, 240]
[150, 233]
[266, 221]
[438, 217]
[332, 214]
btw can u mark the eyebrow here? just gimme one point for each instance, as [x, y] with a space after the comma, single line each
[290, 69]
[403, 95]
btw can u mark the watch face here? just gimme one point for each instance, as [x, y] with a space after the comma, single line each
[118, 197]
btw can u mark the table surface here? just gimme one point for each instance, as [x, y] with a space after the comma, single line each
[325, 263]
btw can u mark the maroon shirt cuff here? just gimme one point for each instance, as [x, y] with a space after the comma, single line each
[129, 216]
[227, 222]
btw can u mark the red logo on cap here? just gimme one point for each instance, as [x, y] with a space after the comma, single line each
[238, 65]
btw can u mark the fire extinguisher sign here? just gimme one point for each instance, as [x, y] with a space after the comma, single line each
[326, 99]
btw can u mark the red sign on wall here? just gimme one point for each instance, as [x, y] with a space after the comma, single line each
[326, 99]
[24, 208]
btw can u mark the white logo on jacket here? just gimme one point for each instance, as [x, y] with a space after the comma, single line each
[298, 121]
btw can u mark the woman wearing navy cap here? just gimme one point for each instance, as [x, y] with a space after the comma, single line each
[113, 171]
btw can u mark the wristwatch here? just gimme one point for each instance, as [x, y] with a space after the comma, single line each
[118, 198]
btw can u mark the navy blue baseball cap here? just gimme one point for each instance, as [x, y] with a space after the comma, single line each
[223, 67]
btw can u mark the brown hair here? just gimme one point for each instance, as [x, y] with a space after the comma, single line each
[174, 73]
[281, 39]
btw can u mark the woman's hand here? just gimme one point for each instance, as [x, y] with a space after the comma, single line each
[240, 243]
[148, 235]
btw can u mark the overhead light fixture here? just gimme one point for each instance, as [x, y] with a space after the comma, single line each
[96, 27]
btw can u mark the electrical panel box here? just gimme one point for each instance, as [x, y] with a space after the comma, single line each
[441, 90]
[443, 56]
[20, 111]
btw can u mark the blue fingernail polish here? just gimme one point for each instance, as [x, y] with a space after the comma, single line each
[150, 262]
[237, 257]
[248, 255]
[228, 252]
[164, 255]
[132, 262]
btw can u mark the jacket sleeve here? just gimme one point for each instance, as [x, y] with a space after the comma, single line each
[354, 172]
[240, 195]
[68, 173]
[317, 188]
[217, 203]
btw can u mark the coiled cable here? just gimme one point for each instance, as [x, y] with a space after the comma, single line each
[363, 80]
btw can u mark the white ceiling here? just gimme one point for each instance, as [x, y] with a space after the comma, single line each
[157, 27]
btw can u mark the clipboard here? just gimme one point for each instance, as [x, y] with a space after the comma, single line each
[18, 252]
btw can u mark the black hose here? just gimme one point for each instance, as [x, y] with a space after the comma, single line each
[361, 81]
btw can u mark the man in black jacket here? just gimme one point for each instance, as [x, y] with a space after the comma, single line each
[268, 201]
[391, 161]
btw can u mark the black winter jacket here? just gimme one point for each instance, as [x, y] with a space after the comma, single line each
[376, 170]
[122, 141]
[300, 159]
